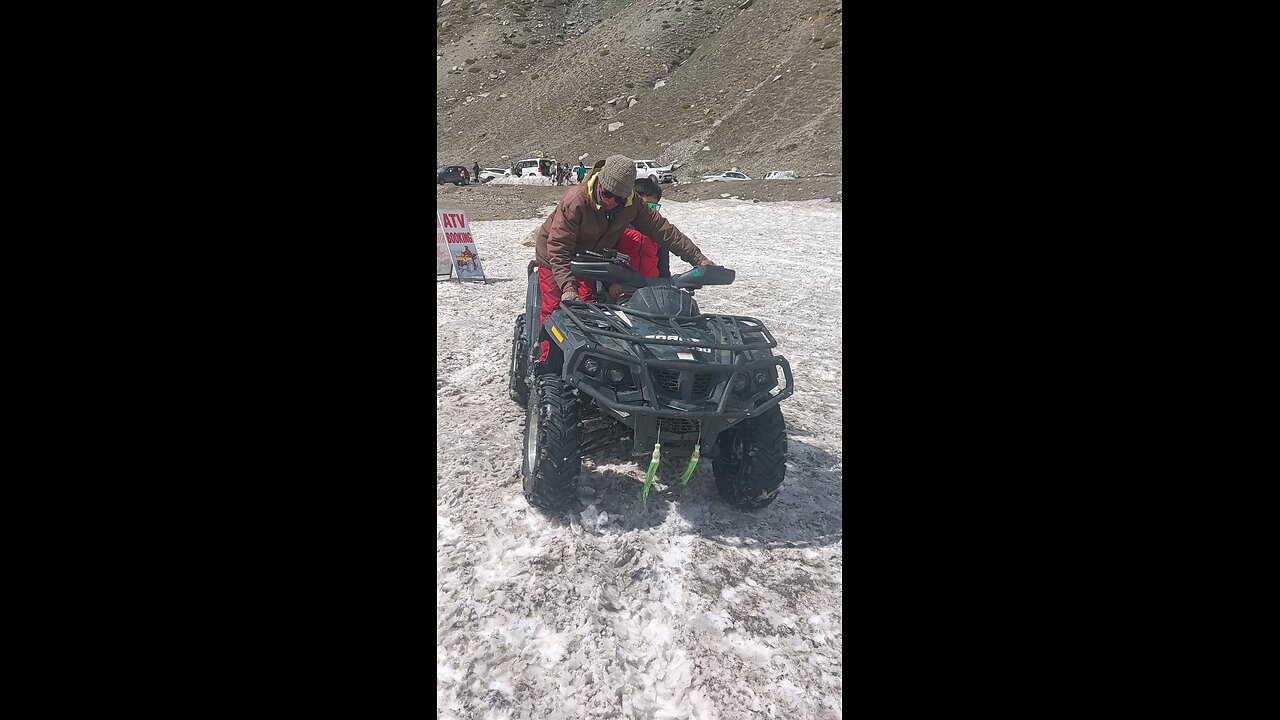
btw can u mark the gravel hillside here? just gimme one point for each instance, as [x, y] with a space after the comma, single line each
[707, 84]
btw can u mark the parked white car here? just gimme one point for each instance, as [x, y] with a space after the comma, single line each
[649, 168]
[730, 175]
[487, 174]
[536, 167]
[774, 175]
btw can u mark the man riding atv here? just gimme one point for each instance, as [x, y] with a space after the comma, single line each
[652, 368]
[593, 217]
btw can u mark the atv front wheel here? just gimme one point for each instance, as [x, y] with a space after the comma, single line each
[750, 461]
[552, 459]
[519, 389]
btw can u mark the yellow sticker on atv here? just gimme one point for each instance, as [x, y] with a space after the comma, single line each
[554, 331]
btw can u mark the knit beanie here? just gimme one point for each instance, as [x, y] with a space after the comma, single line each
[618, 175]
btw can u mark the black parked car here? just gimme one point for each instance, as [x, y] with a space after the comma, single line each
[456, 174]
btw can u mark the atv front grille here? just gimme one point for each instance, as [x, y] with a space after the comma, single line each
[701, 382]
[668, 380]
[679, 425]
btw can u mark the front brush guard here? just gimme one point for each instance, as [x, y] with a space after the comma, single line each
[728, 326]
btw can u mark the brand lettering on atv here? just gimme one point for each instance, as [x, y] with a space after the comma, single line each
[676, 337]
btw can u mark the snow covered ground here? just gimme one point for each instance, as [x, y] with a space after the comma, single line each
[691, 609]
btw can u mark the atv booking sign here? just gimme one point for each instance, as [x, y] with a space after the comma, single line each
[455, 247]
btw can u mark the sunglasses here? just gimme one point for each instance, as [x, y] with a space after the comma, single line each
[655, 206]
[606, 195]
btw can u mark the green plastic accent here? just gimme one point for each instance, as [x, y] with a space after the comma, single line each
[697, 272]
[693, 462]
[648, 477]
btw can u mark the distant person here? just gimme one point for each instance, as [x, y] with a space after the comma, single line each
[581, 170]
[594, 218]
[475, 172]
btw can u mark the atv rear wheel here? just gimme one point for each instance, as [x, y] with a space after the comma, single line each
[552, 459]
[751, 461]
[519, 386]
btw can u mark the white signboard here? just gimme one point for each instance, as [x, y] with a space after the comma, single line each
[453, 230]
[444, 261]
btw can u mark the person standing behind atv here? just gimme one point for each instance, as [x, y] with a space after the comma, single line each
[593, 217]
[646, 257]
[581, 170]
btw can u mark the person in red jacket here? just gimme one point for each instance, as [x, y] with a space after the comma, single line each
[647, 258]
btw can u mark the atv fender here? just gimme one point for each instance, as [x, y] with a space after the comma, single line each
[533, 309]
[557, 330]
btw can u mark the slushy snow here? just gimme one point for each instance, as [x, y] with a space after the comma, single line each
[692, 609]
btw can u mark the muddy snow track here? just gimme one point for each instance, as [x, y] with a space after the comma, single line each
[689, 610]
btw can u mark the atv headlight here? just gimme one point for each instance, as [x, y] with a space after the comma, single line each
[591, 365]
[739, 382]
[761, 377]
[615, 375]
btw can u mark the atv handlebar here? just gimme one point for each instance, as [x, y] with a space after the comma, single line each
[588, 267]
[608, 254]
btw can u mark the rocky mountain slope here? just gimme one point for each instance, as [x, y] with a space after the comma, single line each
[707, 84]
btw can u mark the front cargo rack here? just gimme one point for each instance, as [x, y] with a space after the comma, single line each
[742, 335]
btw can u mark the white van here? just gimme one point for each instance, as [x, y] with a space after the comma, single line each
[649, 168]
[535, 167]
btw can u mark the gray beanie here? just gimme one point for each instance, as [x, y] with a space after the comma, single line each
[618, 175]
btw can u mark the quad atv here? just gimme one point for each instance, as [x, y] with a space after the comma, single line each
[652, 369]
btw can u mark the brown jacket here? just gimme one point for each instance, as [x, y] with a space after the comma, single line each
[578, 223]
